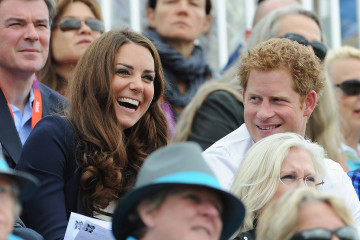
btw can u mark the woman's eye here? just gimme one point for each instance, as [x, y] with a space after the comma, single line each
[122, 72]
[192, 197]
[289, 176]
[149, 78]
[311, 179]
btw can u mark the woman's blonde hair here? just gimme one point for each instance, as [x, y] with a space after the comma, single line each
[257, 177]
[280, 218]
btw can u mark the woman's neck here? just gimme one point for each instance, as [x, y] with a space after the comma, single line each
[351, 138]
[66, 71]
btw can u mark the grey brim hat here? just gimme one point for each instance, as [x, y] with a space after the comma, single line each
[178, 164]
[27, 183]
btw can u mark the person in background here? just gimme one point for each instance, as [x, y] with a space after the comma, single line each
[263, 8]
[217, 109]
[87, 160]
[343, 69]
[273, 166]
[323, 125]
[15, 187]
[24, 33]
[76, 24]
[279, 96]
[177, 196]
[306, 214]
[173, 28]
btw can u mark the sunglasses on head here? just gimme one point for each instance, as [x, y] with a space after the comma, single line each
[343, 233]
[319, 48]
[75, 24]
[350, 87]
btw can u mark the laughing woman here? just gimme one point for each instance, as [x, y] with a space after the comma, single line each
[88, 159]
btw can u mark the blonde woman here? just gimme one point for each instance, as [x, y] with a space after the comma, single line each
[306, 212]
[273, 166]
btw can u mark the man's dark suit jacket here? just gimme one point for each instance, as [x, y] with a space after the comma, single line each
[52, 103]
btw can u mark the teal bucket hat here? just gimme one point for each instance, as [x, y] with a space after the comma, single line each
[177, 164]
[26, 183]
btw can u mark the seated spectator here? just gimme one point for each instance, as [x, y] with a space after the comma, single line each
[262, 9]
[89, 159]
[280, 95]
[273, 166]
[217, 109]
[24, 33]
[343, 69]
[323, 125]
[177, 196]
[15, 187]
[76, 24]
[306, 214]
[173, 28]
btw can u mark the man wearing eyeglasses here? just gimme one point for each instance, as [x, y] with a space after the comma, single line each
[24, 47]
[281, 81]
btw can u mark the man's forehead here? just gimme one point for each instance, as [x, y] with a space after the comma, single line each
[21, 8]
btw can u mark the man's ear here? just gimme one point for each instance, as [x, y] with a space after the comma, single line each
[247, 34]
[206, 24]
[146, 216]
[310, 103]
[151, 17]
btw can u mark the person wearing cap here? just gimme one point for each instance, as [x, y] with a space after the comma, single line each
[15, 187]
[177, 196]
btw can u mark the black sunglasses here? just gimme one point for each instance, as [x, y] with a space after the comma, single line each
[75, 24]
[350, 87]
[319, 48]
[343, 233]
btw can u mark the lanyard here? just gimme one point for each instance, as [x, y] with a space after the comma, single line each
[37, 104]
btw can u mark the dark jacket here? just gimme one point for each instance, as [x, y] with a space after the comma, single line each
[50, 155]
[52, 103]
[220, 114]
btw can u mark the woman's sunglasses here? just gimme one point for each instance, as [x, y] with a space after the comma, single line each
[75, 24]
[350, 87]
[343, 233]
[319, 48]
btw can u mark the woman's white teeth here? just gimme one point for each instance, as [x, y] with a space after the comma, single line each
[128, 100]
[267, 128]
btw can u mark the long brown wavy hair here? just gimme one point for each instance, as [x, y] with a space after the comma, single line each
[47, 74]
[111, 157]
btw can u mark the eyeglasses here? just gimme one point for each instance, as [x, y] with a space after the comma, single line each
[319, 48]
[350, 87]
[76, 23]
[343, 233]
[291, 179]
